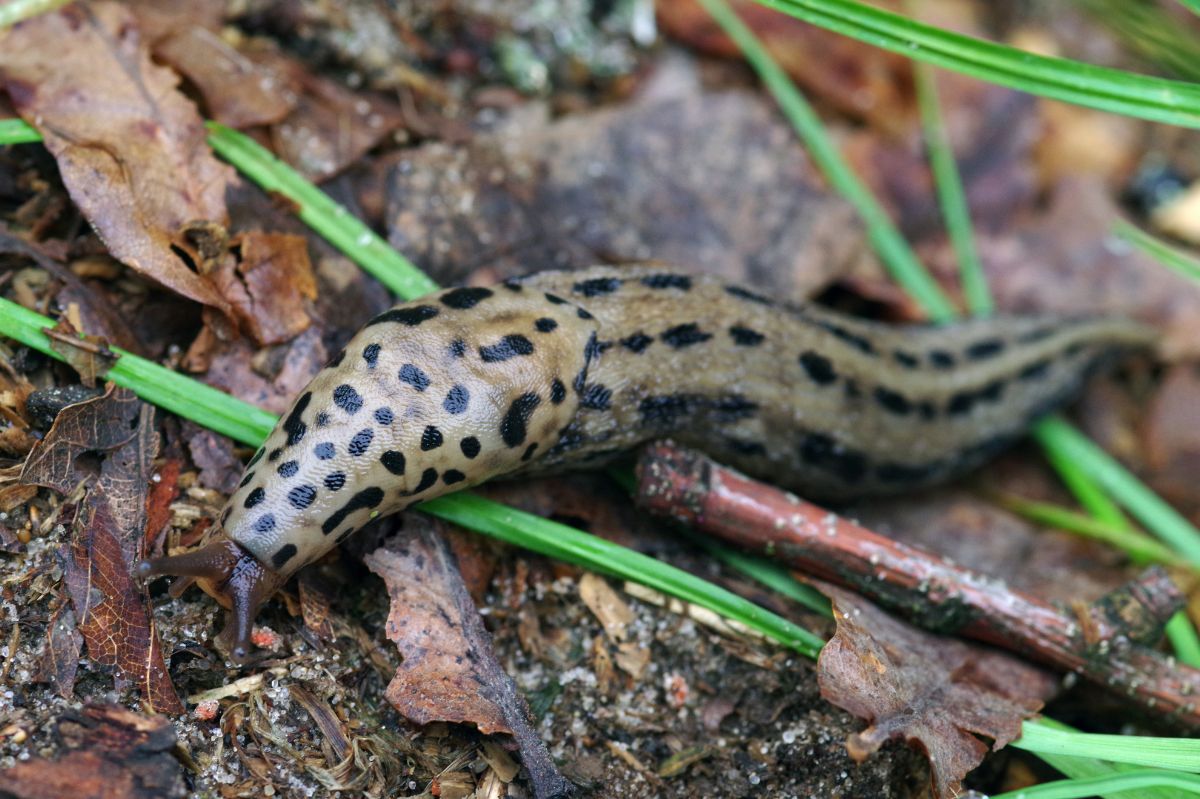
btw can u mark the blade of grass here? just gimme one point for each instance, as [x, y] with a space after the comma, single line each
[886, 240]
[1171, 257]
[318, 210]
[1158, 99]
[1178, 754]
[951, 196]
[18, 131]
[767, 572]
[1108, 784]
[14, 11]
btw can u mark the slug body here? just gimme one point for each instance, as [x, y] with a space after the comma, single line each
[571, 369]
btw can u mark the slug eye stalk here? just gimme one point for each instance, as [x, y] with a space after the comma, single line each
[231, 575]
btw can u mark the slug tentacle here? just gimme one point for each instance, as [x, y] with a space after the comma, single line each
[566, 370]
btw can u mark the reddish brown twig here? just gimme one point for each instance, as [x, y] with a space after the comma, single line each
[1099, 641]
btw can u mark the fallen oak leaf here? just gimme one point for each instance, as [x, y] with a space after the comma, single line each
[935, 692]
[450, 671]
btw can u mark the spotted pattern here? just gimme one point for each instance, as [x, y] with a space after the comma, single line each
[472, 383]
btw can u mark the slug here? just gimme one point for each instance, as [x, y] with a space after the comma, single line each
[565, 370]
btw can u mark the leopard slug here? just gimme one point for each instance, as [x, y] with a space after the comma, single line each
[571, 369]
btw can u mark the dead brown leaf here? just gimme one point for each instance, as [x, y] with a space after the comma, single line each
[714, 181]
[60, 659]
[937, 693]
[111, 753]
[269, 378]
[220, 468]
[130, 147]
[1171, 436]
[277, 278]
[450, 672]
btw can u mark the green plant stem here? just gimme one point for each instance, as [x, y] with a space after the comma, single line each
[1171, 257]
[1111, 783]
[1180, 754]
[892, 247]
[1158, 99]
[18, 131]
[951, 196]
[14, 11]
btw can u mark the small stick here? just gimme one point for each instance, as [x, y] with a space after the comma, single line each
[1101, 642]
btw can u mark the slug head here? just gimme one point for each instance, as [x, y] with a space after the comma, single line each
[229, 574]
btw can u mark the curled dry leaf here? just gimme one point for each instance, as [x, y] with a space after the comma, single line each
[269, 285]
[450, 672]
[110, 752]
[110, 607]
[935, 692]
[130, 147]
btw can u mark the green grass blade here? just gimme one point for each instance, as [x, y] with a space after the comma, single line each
[13, 11]
[341, 228]
[886, 240]
[18, 131]
[1158, 99]
[951, 197]
[1179, 754]
[1171, 257]
[1158, 517]
[1191, 5]
[566, 543]
[768, 573]
[1108, 784]
[1184, 639]
[156, 384]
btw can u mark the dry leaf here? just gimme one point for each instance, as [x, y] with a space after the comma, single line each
[936, 692]
[130, 147]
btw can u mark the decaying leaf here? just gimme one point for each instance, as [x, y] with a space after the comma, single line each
[936, 692]
[269, 285]
[130, 147]
[111, 752]
[450, 672]
[60, 659]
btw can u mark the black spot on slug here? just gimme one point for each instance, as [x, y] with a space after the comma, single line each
[545, 324]
[246, 478]
[469, 446]
[324, 451]
[322, 419]
[596, 397]
[860, 343]
[819, 368]
[987, 348]
[668, 281]
[302, 496]
[1035, 370]
[558, 392]
[554, 299]
[293, 425]
[892, 400]
[413, 376]
[431, 438]
[733, 407]
[384, 416]
[411, 317]
[255, 497]
[288, 469]
[738, 291]
[685, 335]
[264, 524]
[941, 359]
[367, 498]
[428, 478]
[961, 403]
[275, 453]
[464, 298]
[513, 426]
[510, 346]
[745, 337]
[596, 286]
[452, 476]
[457, 399]
[283, 555]
[346, 398]
[458, 348]
[637, 342]
[393, 461]
[371, 355]
[336, 360]
[824, 453]
[529, 451]
[906, 359]
[905, 473]
[512, 285]
[361, 442]
[582, 313]
[257, 457]
[335, 480]
[743, 447]
[665, 410]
